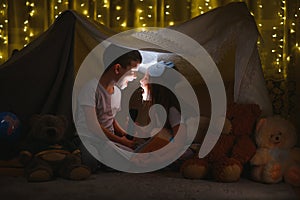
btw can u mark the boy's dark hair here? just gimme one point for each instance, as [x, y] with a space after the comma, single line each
[124, 60]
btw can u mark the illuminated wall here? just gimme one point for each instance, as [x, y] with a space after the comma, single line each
[278, 22]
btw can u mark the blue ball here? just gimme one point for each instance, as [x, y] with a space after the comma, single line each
[10, 127]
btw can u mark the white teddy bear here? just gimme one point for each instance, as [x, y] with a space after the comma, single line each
[276, 157]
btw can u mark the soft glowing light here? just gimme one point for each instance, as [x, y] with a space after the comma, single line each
[118, 7]
[124, 24]
[171, 23]
[32, 13]
[85, 12]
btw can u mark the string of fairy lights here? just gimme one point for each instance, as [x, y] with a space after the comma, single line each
[279, 32]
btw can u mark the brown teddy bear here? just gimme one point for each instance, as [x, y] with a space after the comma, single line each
[45, 154]
[233, 150]
[276, 158]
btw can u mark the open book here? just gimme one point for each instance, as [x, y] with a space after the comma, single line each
[162, 138]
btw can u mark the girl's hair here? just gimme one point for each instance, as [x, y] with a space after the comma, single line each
[165, 97]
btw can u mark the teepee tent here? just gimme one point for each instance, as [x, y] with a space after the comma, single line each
[40, 77]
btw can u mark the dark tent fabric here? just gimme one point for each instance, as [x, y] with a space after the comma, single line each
[39, 78]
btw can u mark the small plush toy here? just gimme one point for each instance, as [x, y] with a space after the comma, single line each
[235, 147]
[276, 158]
[46, 154]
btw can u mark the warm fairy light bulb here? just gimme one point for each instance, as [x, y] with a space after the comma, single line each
[149, 16]
[118, 7]
[55, 7]
[274, 27]
[279, 70]
[274, 35]
[59, 1]
[167, 13]
[292, 31]
[118, 18]
[82, 5]
[32, 13]
[260, 25]
[171, 23]
[85, 12]
[273, 50]
[124, 24]
[150, 7]
[260, 6]
[167, 6]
